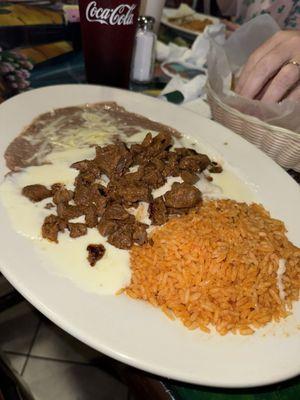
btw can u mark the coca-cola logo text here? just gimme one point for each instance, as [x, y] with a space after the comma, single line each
[121, 15]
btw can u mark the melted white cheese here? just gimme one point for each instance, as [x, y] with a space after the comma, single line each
[69, 256]
[232, 187]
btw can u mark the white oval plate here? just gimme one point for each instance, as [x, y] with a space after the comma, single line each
[189, 32]
[132, 331]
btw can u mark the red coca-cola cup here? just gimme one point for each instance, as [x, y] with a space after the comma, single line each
[108, 30]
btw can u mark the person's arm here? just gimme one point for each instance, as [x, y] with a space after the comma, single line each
[272, 72]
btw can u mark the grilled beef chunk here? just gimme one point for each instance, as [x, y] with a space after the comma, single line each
[152, 176]
[139, 235]
[182, 195]
[82, 194]
[122, 238]
[51, 226]
[159, 164]
[189, 177]
[129, 192]
[116, 211]
[134, 176]
[147, 141]
[184, 152]
[114, 159]
[158, 211]
[124, 233]
[89, 176]
[107, 226]
[91, 216]
[67, 211]
[36, 193]
[171, 164]
[152, 147]
[95, 253]
[62, 195]
[81, 166]
[77, 229]
[100, 204]
[55, 187]
[194, 163]
[162, 141]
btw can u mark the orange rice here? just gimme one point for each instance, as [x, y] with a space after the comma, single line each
[217, 266]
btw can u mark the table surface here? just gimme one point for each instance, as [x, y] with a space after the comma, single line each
[67, 67]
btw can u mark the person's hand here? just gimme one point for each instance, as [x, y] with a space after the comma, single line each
[272, 72]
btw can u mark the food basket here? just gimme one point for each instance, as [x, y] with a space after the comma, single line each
[282, 145]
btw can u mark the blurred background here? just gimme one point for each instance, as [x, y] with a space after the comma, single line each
[37, 36]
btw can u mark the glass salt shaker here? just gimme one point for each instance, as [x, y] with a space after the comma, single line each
[144, 51]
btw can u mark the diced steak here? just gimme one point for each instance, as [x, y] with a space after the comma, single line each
[56, 186]
[130, 192]
[115, 211]
[106, 226]
[189, 177]
[67, 211]
[184, 152]
[182, 195]
[82, 194]
[36, 193]
[91, 216]
[159, 164]
[77, 229]
[95, 253]
[122, 238]
[162, 141]
[123, 164]
[152, 176]
[51, 226]
[62, 195]
[171, 164]
[147, 140]
[151, 147]
[89, 176]
[195, 163]
[139, 235]
[81, 166]
[158, 211]
[114, 159]
[133, 176]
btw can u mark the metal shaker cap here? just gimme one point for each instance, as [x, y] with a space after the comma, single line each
[146, 23]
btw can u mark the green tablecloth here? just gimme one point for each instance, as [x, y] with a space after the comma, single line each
[289, 390]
